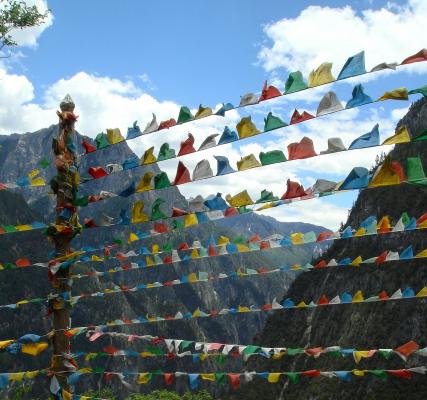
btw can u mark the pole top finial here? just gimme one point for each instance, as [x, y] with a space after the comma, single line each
[67, 104]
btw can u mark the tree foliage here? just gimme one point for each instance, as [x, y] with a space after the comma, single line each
[168, 395]
[155, 395]
[16, 14]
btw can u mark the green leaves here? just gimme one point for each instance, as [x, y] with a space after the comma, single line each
[17, 15]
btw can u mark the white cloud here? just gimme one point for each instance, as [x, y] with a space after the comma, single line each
[103, 102]
[17, 114]
[28, 37]
[320, 34]
[308, 211]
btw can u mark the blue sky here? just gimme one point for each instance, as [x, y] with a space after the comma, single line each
[123, 60]
[192, 51]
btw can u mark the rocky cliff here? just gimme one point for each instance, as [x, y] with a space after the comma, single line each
[363, 326]
[21, 153]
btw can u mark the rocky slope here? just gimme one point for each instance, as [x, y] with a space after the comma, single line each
[363, 326]
[21, 153]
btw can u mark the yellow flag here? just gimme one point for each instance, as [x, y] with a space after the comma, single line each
[32, 174]
[149, 261]
[197, 313]
[5, 343]
[208, 377]
[356, 262]
[241, 248]
[144, 378]
[297, 238]
[192, 277]
[34, 349]
[240, 199]
[22, 302]
[155, 248]
[145, 183]
[149, 157]
[67, 395]
[396, 94]
[358, 372]
[273, 377]
[96, 258]
[145, 354]
[223, 240]
[190, 219]
[248, 162]
[301, 304]
[422, 292]
[385, 175]
[242, 309]
[401, 136]
[114, 136]
[422, 254]
[16, 376]
[321, 75]
[137, 213]
[360, 232]
[358, 355]
[358, 297]
[23, 227]
[31, 374]
[203, 112]
[132, 237]
[246, 128]
[38, 182]
[194, 254]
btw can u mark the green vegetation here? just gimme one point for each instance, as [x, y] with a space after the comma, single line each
[167, 395]
[17, 15]
[155, 395]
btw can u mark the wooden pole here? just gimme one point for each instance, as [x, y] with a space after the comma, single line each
[66, 226]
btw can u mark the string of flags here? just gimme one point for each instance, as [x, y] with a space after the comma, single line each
[199, 253]
[178, 346]
[245, 129]
[296, 151]
[386, 256]
[287, 304]
[388, 174]
[204, 277]
[30, 344]
[235, 379]
[220, 352]
[354, 66]
[213, 208]
[372, 225]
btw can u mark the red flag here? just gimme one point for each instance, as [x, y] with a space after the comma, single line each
[97, 172]
[400, 373]
[234, 380]
[417, 57]
[407, 349]
[89, 148]
[168, 378]
[269, 92]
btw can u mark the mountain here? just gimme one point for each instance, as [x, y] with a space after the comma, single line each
[19, 154]
[365, 326]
